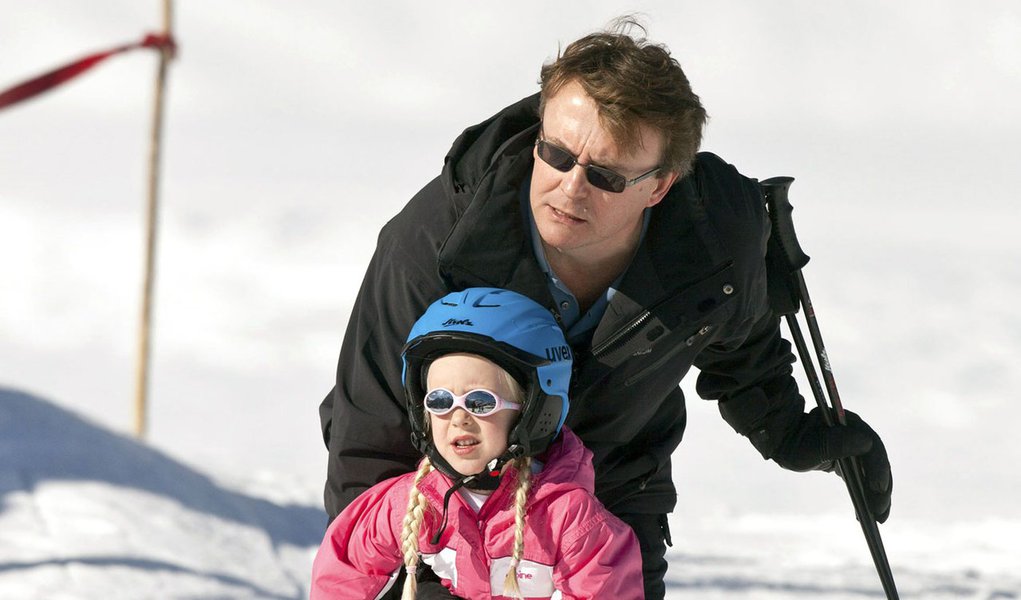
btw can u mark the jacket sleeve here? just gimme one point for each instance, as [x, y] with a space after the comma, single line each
[749, 370]
[364, 420]
[360, 554]
[757, 394]
[599, 559]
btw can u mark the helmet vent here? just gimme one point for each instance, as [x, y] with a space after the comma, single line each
[546, 422]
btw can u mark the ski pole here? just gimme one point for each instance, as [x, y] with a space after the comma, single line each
[851, 470]
[785, 238]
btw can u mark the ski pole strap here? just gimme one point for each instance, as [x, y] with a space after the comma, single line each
[46, 81]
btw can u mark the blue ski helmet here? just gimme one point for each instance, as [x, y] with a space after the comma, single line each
[513, 331]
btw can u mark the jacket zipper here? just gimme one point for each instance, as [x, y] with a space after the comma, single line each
[625, 334]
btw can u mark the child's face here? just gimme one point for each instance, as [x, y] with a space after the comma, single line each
[486, 436]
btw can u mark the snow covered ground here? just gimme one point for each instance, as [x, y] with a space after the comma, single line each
[88, 513]
[295, 131]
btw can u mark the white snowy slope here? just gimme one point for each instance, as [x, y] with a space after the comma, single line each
[86, 513]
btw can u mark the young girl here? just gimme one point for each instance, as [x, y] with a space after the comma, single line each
[502, 504]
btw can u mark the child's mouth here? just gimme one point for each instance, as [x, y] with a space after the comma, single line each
[464, 446]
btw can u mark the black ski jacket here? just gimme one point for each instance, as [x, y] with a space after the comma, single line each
[695, 294]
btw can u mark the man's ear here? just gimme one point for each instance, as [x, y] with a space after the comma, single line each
[663, 184]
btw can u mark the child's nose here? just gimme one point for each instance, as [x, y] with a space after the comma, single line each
[461, 417]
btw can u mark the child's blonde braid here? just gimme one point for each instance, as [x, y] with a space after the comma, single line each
[524, 466]
[417, 504]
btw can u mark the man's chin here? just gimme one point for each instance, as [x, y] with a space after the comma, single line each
[559, 238]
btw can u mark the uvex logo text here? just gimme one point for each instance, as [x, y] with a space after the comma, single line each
[555, 353]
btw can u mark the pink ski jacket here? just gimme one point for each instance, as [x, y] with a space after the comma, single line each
[574, 547]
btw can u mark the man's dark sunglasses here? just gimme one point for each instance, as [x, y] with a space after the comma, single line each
[600, 177]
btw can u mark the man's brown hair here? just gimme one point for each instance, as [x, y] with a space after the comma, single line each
[633, 82]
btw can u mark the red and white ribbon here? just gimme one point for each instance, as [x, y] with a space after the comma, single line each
[38, 85]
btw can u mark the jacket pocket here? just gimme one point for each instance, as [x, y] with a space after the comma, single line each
[690, 341]
[655, 329]
[670, 334]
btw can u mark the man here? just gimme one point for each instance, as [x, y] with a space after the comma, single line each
[590, 198]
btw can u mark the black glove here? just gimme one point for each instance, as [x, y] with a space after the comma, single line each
[429, 586]
[433, 590]
[814, 446]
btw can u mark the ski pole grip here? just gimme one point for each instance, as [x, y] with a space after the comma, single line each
[775, 190]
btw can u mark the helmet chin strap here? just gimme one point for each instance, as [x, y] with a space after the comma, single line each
[487, 479]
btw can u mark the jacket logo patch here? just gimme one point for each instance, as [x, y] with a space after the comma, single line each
[534, 579]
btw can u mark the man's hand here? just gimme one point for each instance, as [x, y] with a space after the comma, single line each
[815, 446]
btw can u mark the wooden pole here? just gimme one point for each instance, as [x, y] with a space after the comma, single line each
[152, 213]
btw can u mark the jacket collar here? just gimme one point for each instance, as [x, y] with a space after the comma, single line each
[489, 245]
[680, 250]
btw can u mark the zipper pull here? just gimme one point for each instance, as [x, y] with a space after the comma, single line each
[704, 330]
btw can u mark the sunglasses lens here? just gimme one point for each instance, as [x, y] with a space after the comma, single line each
[564, 161]
[605, 179]
[480, 402]
[558, 158]
[439, 401]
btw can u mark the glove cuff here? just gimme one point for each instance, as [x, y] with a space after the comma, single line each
[766, 422]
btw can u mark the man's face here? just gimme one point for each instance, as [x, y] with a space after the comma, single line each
[574, 218]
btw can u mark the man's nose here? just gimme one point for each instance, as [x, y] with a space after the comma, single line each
[575, 183]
